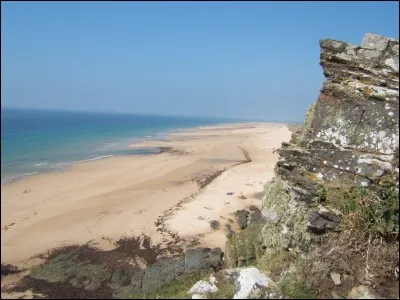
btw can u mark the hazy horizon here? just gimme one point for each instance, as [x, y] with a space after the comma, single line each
[242, 119]
[243, 60]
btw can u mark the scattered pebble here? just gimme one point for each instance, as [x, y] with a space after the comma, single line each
[336, 278]
[9, 225]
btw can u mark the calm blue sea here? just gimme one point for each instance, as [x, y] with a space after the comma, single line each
[35, 141]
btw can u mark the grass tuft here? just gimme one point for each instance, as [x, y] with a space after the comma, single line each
[175, 289]
[369, 212]
[295, 286]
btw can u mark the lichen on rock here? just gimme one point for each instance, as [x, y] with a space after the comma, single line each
[285, 219]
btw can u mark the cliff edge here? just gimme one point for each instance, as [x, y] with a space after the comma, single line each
[350, 138]
[331, 213]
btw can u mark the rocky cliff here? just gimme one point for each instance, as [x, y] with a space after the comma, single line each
[350, 138]
[331, 213]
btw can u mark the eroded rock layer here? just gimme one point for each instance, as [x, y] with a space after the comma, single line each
[350, 138]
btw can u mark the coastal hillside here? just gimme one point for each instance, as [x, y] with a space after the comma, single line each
[329, 223]
[331, 213]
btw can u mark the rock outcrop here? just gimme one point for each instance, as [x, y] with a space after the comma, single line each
[350, 138]
[124, 282]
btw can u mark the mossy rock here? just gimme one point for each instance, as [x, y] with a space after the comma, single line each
[80, 275]
[286, 220]
[240, 249]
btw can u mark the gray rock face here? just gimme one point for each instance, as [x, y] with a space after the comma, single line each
[166, 269]
[320, 222]
[350, 138]
[374, 42]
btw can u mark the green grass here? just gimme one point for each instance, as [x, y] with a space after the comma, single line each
[371, 212]
[275, 262]
[226, 290]
[295, 286]
[242, 245]
[301, 281]
[176, 289]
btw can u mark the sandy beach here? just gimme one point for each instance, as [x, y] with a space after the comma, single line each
[178, 191]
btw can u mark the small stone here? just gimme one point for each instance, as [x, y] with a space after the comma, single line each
[361, 292]
[336, 296]
[213, 280]
[321, 221]
[374, 42]
[203, 287]
[336, 278]
[249, 280]
[198, 296]
[270, 215]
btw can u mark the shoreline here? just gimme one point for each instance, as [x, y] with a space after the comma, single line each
[154, 138]
[120, 196]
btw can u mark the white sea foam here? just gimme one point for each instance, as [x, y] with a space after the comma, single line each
[95, 158]
[17, 177]
[40, 164]
[31, 173]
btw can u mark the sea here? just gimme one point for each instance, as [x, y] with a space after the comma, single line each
[36, 141]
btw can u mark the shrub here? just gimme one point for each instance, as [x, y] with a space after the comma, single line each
[214, 224]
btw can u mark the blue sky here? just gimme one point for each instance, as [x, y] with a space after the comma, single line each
[233, 59]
